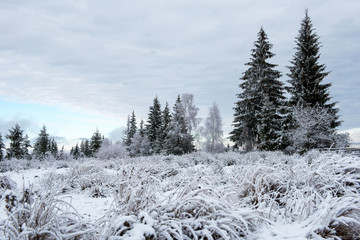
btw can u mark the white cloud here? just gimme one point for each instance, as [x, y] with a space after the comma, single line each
[112, 57]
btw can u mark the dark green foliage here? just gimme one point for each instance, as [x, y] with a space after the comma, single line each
[75, 151]
[85, 148]
[261, 90]
[154, 126]
[179, 141]
[165, 123]
[306, 74]
[42, 144]
[95, 142]
[18, 147]
[130, 129]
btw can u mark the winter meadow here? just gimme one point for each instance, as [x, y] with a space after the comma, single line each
[277, 176]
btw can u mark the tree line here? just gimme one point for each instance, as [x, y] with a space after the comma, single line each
[264, 118]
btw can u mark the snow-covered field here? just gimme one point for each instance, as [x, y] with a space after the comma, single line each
[259, 195]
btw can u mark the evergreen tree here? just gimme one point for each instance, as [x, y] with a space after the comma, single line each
[62, 152]
[130, 129]
[179, 141]
[142, 129]
[261, 90]
[306, 74]
[76, 151]
[25, 147]
[153, 127]
[2, 146]
[42, 144]
[72, 151]
[213, 130]
[87, 149]
[165, 123]
[53, 147]
[95, 142]
[18, 143]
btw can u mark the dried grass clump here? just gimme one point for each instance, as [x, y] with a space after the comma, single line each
[42, 217]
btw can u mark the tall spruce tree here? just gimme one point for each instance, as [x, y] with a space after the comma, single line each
[42, 144]
[261, 89]
[18, 146]
[179, 141]
[153, 127]
[307, 74]
[2, 146]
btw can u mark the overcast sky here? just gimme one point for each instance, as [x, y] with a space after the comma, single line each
[80, 65]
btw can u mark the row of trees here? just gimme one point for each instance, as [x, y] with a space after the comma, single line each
[45, 145]
[175, 132]
[88, 148]
[19, 145]
[265, 119]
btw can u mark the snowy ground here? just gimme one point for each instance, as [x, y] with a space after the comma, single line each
[198, 196]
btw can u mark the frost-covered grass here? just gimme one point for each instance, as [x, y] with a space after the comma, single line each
[259, 195]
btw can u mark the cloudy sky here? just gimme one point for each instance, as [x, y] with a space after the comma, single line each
[77, 65]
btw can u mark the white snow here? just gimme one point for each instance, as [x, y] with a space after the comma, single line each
[253, 196]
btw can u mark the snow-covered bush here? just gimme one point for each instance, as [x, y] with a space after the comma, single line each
[108, 150]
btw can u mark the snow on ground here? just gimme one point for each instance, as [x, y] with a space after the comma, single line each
[224, 196]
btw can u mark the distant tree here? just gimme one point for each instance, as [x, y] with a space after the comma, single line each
[87, 149]
[141, 128]
[190, 112]
[76, 153]
[53, 147]
[179, 140]
[213, 130]
[42, 144]
[18, 143]
[165, 123]
[306, 75]
[25, 147]
[62, 153]
[261, 91]
[95, 142]
[130, 129]
[2, 146]
[154, 125]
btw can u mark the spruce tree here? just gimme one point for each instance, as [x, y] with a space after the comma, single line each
[25, 147]
[307, 74]
[18, 143]
[130, 129]
[54, 147]
[153, 127]
[179, 141]
[76, 151]
[42, 144]
[95, 142]
[2, 146]
[261, 89]
[165, 123]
